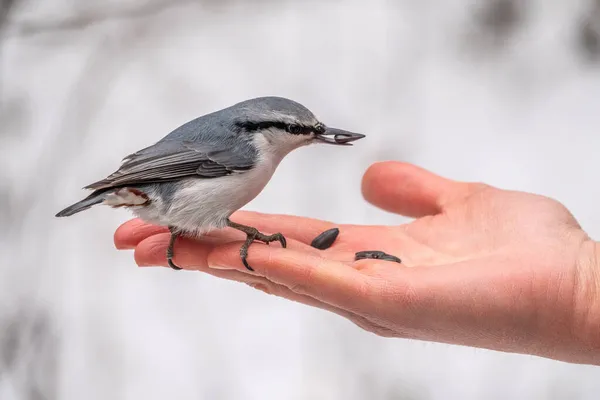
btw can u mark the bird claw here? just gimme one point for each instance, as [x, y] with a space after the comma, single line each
[172, 265]
[245, 262]
[282, 240]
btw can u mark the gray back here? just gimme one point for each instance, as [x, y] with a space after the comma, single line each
[222, 125]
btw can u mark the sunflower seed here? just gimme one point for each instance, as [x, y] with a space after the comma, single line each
[375, 255]
[325, 240]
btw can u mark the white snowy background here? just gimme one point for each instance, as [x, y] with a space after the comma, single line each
[501, 91]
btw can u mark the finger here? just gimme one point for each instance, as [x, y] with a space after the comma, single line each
[268, 287]
[191, 253]
[407, 189]
[188, 254]
[329, 281]
[152, 251]
[281, 291]
[132, 232]
[298, 228]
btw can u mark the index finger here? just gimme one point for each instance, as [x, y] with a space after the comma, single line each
[134, 231]
[301, 229]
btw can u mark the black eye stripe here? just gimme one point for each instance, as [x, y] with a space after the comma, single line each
[256, 126]
[293, 129]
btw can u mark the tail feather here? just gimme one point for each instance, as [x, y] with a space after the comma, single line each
[92, 199]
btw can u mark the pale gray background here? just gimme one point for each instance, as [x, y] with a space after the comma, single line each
[507, 92]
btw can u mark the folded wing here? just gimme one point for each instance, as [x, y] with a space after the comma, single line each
[170, 160]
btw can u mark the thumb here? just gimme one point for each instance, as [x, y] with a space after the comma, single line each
[408, 190]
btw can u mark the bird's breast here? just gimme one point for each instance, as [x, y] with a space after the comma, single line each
[199, 204]
[243, 187]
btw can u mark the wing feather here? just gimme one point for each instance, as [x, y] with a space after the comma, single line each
[169, 160]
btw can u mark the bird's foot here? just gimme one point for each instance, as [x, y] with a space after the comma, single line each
[276, 237]
[252, 234]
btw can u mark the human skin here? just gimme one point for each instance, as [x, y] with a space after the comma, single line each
[481, 267]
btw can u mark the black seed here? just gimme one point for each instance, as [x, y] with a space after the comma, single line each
[376, 255]
[325, 239]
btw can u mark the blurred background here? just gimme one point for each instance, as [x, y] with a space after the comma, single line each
[501, 91]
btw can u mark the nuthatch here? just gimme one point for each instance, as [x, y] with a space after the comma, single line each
[198, 175]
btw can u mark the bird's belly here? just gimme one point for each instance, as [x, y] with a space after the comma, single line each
[200, 205]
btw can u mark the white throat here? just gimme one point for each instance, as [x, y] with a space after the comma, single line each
[273, 144]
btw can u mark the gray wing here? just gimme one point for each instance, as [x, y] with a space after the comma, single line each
[172, 159]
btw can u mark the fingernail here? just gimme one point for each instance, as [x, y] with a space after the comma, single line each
[221, 267]
[121, 246]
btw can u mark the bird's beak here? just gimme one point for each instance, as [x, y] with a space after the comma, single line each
[338, 136]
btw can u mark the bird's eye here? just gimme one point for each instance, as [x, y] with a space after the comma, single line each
[295, 129]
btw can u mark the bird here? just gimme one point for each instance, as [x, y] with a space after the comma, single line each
[198, 175]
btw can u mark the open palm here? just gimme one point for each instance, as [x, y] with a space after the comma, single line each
[481, 266]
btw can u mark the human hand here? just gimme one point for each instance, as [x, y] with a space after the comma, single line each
[481, 266]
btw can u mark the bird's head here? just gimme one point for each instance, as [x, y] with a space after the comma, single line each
[285, 124]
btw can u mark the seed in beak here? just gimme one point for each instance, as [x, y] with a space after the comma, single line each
[338, 136]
